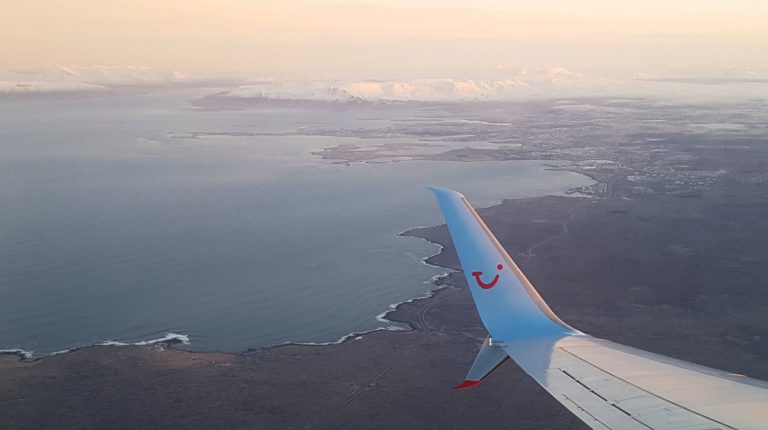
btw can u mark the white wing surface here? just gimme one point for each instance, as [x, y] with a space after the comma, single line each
[606, 385]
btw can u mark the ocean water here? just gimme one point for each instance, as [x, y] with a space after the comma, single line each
[117, 225]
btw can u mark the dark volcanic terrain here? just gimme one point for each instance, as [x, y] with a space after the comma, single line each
[671, 265]
[679, 276]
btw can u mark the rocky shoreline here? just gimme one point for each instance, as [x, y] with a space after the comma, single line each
[681, 277]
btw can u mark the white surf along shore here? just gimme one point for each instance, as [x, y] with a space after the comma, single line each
[167, 338]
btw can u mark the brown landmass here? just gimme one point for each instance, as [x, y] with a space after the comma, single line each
[685, 277]
[672, 259]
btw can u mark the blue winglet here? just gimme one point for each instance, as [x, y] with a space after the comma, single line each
[509, 306]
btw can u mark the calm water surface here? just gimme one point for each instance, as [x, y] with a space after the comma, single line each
[115, 228]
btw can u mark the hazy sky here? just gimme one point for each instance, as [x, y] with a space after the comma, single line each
[378, 38]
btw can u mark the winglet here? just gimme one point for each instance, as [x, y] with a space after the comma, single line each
[509, 306]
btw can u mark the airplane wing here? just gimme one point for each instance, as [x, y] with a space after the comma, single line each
[606, 385]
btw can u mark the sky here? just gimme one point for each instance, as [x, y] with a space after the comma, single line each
[382, 39]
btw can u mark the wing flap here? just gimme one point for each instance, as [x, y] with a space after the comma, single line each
[718, 399]
[620, 389]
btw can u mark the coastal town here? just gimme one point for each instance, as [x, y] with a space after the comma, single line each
[643, 155]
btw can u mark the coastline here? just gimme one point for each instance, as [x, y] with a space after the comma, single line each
[167, 339]
[437, 283]
[588, 276]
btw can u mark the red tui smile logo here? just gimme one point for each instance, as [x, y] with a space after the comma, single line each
[489, 285]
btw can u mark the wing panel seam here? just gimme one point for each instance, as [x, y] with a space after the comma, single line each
[644, 390]
[609, 402]
[586, 411]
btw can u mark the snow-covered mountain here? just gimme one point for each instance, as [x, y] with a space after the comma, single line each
[521, 83]
[441, 90]
[513, 83]
[20, 87]
[91, 79]
[524, 84]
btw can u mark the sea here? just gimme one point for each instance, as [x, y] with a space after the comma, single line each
[132, 218]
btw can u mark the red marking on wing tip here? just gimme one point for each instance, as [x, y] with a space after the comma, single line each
[500, 266]
[466, 384]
